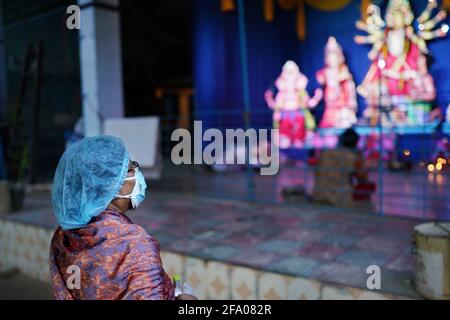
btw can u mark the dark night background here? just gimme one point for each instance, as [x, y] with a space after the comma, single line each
[156, 51]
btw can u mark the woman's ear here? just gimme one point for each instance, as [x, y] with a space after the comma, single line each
[127, 187]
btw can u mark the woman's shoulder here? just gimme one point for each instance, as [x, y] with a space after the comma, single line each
[110, 226]
[124, 226]
[120, 229]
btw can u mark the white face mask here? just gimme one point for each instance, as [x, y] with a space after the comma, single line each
[137, 195]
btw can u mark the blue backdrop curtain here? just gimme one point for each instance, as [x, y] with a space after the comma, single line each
[217, 67]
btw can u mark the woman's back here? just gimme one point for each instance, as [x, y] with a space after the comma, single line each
[333, 176]
[116, 258]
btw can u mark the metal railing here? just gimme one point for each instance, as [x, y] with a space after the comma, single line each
[406, 185]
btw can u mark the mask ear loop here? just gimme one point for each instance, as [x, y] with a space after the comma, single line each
[136, 170]
[129, 196]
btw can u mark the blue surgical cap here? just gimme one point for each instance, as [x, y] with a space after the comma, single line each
[89, 176]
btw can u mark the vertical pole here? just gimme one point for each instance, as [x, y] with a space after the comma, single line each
[244, 60]
[426, 180]
[381, 65]
[38, 54]
[246, 90]
[3, 97]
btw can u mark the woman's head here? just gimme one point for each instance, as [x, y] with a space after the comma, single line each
[90, 175]
[132, 192]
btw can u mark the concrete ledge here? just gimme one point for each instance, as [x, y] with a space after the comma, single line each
[26, 248]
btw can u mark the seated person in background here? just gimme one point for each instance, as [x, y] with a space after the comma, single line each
[341, 177]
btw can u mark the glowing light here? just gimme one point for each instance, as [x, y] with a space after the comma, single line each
[445, 28]
[381, 63]
[407, 153]
[422, 163]
[439, 166]
[441, 161]
[431, 167]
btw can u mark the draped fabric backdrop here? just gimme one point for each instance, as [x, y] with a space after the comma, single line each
[217, 66]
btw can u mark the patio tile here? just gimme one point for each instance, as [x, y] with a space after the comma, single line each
[279, 246]
[319, 251]
[340, 240]
[389, 246]
[342, 274]
[219, 252]
[296, 266]
[363, 258]
[255, 259]
[403, 263]
[243, 239]
[301, 235]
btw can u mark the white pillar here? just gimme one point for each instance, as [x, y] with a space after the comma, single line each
[100, 63]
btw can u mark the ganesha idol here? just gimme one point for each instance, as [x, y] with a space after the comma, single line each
[398, 80]
[340, 91]
[291, 106]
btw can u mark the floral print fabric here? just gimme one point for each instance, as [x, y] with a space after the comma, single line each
[116, 258]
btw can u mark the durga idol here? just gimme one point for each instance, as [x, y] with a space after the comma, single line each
[398, 80]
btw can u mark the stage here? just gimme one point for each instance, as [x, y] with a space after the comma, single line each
[231, 249]
[420, 141]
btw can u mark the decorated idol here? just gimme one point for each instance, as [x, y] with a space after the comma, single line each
[398, 78]
[291, 106]
[339, 89]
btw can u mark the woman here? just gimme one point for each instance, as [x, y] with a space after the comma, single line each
[95, 183]
[341, 177]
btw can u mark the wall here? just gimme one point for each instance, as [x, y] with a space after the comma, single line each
[217, 70]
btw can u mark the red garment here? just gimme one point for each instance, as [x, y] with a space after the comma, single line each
[396, 87]
[362, 191]
[292, 125]
[117, 260]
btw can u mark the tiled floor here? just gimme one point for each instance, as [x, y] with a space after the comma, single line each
[296, 240]
[416, 194]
